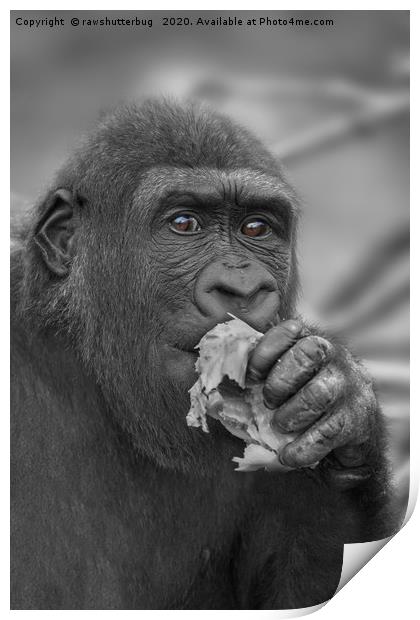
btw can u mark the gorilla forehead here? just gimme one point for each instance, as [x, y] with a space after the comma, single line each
[220, 186]
[134, 138]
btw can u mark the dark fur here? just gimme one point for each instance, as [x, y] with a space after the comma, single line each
[116, 503]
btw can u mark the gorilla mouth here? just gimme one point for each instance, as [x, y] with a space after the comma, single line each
[187, 342]
[187, 349]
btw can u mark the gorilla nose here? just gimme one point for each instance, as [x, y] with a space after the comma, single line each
[243, 288]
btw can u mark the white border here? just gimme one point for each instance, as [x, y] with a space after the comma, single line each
[387, 585]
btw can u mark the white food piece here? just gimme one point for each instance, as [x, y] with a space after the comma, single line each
[256, 456]
[224, 353]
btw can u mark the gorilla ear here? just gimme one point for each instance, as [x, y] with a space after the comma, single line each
[54, 233]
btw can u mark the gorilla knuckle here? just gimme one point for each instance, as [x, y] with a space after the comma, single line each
[332, 427]
[280, 376]
[292, 327]
[311, 351]
[318, 395]
[309, 398]
[277, 385]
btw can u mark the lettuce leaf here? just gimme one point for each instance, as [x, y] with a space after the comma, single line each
[223, 392]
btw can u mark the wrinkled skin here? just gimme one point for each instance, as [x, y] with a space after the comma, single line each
[167, 219]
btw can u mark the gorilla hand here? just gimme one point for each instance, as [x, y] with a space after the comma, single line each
[321, 392]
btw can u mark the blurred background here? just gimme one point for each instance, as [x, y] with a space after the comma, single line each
[331, 101]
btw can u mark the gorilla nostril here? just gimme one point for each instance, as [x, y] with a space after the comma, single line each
[234, 298]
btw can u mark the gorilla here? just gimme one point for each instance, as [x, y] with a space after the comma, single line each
[168, 217]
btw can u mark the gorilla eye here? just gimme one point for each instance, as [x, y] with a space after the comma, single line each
[185, 224]
[256, 228]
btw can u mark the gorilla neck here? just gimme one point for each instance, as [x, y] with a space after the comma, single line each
[154, 420]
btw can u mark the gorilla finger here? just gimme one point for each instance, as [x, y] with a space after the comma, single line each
[295, 368]
[319, 440]
[351, 455]
[312, 401]
[271, 346]
[345, 479]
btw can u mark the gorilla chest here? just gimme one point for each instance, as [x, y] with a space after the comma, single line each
[185, 549]
[165, 547]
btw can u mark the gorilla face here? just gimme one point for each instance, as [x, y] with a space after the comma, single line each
[216, 242]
